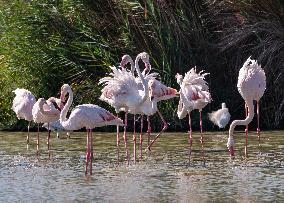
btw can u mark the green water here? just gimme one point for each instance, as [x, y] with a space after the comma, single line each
[162, 176]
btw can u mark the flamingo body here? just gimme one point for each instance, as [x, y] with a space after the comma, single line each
[220, 117]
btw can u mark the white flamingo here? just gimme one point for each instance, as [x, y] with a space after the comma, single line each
[88, 116]
[45, 112]
[122, 92]
[22, 105]
[157, 92]
[194, 94]
[221, 117]
[251, 85]
[57, 127]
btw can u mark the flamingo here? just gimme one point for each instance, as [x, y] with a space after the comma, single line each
[122, 92]
[220, 117]
[22, 106]
[157, 92]
[57, 127]
[88, 116]
[194, 94]
[251, 85]
[45, 112]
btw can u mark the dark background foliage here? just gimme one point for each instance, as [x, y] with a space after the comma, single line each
[45, 44]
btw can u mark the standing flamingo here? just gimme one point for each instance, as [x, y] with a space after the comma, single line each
[157, 92]
[22, 106]
[45, 112]
[194, 94]
[88, 116]
[251, 85]
[220, 117]
[122, 92]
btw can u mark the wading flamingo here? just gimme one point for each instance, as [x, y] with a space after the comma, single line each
[251, 85]
[22, 105]
[220, 117]
[88, 116]
[194, 94]
[45, 112]
[122, 92]
[157, 92]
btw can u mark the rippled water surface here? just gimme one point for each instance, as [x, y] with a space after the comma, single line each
[162, 176]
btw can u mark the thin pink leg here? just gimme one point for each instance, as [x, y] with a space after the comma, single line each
[258, 129]
[164, 128]
[189, 136]
[134, 139]
[37, 143]
[92, 151]
[141, 135]
[117, 142]
[246, 130]
[149, 129]
[201, 138]
[48, 136]
[28, 136]
[87, 152]
[125, 139]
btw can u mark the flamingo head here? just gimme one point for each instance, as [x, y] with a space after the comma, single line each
[179, 78]
[145, 59]
[125, 60]
[65, 89]
[250, 63]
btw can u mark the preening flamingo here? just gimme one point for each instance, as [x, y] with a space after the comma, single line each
[251, 85]
[88, 116]
[220, 117]
[122, 92]
[22, 105]
[194, 94]
[45, 112]
[157, 92]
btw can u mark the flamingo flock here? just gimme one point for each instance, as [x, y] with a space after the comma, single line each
[138, 93]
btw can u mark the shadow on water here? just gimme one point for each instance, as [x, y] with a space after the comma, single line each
[163, 176]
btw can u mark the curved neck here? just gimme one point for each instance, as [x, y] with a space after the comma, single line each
[132, 66]
[144, 83]
[63, 114]
[243, 122]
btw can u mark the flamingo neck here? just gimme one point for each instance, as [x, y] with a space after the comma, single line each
[63, 114]
[247, 120]
[144, 83]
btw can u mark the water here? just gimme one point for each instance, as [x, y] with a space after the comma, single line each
[162, 176]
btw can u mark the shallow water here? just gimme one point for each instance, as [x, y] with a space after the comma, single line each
[162, 176]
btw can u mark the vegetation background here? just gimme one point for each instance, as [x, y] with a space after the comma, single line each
[45, 43]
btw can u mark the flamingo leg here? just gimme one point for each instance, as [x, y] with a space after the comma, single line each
[37, 143]
[87, 152]
[141, 135]
[246, 131]
[164, 128]
[48, 136]
[134, 139]
[149, 129]
[28, 136]
[92, 151]
[125, 139]
[189, 137]
[258, 130]
[117, 142]
[201, 137]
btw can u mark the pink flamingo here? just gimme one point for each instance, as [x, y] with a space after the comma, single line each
[88, 116]
[220, 117]
[122, 92]
[45, 112]
[22, 106]
[157, 92]
[251, 85]
[194, 94]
